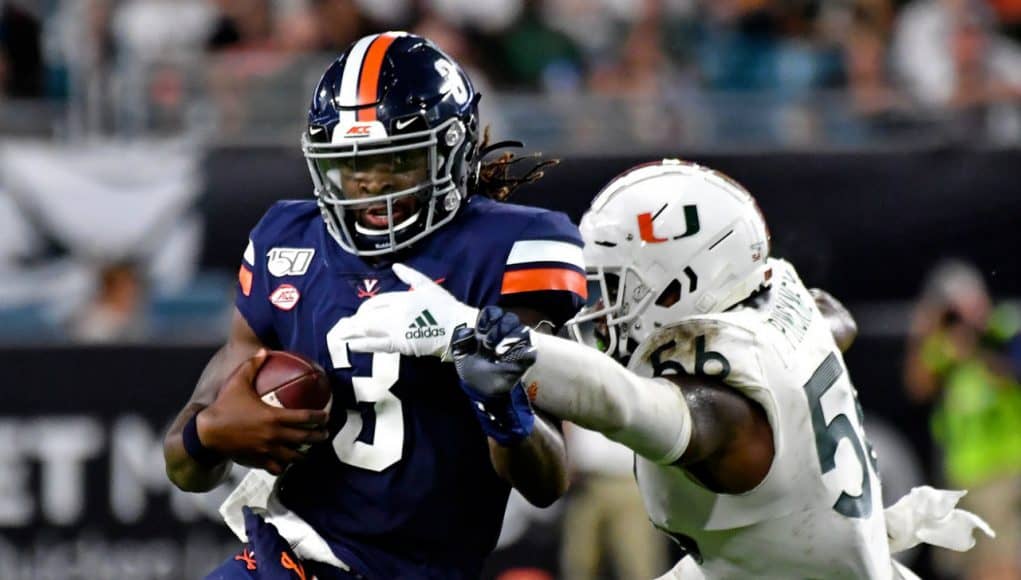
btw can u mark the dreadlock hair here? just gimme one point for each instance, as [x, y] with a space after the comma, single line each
[496, 180]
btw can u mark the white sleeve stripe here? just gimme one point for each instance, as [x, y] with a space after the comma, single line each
[250, 254]
[525, 251]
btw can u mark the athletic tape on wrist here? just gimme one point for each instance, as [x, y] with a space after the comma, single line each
[194, 447]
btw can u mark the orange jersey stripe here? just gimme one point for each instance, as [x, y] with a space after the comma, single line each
[245, 278]
[544, 279]
[368, 83]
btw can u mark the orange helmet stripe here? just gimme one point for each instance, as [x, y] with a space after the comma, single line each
[368, 82]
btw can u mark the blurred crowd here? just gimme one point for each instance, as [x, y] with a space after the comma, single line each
[897, 59]
[964, 359]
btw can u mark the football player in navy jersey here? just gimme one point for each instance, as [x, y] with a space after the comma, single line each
[409, 476]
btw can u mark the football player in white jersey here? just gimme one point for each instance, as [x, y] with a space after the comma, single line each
[724, 374]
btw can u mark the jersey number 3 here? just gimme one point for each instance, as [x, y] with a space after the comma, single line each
[829, 435]
[388, 436]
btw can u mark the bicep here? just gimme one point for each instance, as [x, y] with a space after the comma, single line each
[731, 438]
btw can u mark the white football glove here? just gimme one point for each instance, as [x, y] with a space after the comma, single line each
[418, 322]
[930, 516]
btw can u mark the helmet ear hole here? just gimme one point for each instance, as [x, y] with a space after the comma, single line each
[670, 295]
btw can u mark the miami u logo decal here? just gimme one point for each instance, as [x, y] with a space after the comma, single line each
[645, 226]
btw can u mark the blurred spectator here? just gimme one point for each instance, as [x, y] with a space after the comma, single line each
[115, 313]
[638, 77]
[339, 23]
[243, 25]
[80, 51]
[755, 45]
[959, 353]
[388, 14]
[641, 68]
[738, 42]
[866, 45]
[150, 30]
[456, 43]
[156, 41]
[489, 17]
[605, 526]
[536, 56]
[667, 71]
[21, 66]
[948, 56]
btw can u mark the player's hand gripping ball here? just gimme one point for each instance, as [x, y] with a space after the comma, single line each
[291, 381]
[270, 410]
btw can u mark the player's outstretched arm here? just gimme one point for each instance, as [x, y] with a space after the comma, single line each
[695, 422]
[537, 466]
[225, 419]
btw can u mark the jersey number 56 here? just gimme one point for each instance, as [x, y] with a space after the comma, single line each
[840, 427]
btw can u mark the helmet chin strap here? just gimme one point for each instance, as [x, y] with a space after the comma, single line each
[365, 231]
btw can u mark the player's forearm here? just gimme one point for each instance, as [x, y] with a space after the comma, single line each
[182, 469]
[581, 385]
[842, 324]
[537, 466]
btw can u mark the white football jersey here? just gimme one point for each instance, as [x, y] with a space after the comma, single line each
[819, 511]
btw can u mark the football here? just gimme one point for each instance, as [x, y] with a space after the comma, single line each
[292, 381]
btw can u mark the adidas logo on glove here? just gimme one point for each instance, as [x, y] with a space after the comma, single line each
[424, 326]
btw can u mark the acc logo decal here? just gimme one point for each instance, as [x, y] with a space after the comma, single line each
[285, 297]
[359, 131]
[289, 261]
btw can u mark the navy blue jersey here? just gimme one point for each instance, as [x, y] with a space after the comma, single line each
[407, 488]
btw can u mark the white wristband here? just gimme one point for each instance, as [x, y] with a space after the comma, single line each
[582, 385]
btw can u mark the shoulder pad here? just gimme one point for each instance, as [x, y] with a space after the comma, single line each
[710, 346]
[284, 219]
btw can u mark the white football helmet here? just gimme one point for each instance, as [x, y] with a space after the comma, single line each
[664, 241]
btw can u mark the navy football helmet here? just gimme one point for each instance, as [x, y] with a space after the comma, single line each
[392, 142]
